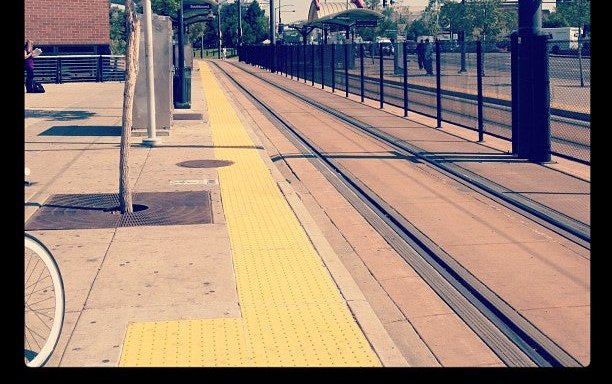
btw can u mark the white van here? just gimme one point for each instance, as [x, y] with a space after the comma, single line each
[562, 39]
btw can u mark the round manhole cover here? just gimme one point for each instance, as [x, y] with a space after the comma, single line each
[205, 163]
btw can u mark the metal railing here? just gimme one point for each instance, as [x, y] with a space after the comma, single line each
[79, 68]
[470, 85]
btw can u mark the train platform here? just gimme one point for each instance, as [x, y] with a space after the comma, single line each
[281, 270]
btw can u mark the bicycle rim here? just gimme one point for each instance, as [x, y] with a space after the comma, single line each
[43, 303]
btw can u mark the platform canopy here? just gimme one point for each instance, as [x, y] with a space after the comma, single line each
[336, 16]
[350, 18]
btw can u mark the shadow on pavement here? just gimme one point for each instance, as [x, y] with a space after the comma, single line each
[58, 115]
[82, 130]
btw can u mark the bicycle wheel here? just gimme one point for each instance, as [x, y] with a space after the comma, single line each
[43, 302]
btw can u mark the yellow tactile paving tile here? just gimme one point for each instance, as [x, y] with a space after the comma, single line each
[292, 311]
[185, 343]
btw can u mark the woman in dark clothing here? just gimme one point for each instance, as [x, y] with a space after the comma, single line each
[28, 51]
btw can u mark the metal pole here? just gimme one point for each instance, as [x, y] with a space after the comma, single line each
[540, 134]
[304, 63]
[462, 34]
[514, 92]
[272, 36]
[438, 87]
[219, 32]
[148, 32]
[182, 99]
[479, 88]
[239, 24]
[381, 88]
[312, 64]
[333, 67]
[533, 85]
[322, 66]
[580, 44]
[361, 70]
[405, 65]
[346, 78]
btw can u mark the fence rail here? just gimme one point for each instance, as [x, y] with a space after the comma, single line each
[79, 68]
[469, 86]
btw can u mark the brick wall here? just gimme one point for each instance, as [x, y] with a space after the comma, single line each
[59, 22]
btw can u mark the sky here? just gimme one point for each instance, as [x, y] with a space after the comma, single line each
[301, 7]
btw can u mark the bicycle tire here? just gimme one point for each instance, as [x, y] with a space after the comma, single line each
[42, 323]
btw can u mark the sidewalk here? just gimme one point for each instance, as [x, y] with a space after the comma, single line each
[124, 285]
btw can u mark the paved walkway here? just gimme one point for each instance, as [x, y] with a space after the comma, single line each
[268, 283]
[257, 287]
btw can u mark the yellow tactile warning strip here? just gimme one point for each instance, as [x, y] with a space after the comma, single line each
[292, 312]
[185, 343]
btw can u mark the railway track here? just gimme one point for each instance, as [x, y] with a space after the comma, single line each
[515, 340]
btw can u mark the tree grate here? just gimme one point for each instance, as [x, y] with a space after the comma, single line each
[89, 211]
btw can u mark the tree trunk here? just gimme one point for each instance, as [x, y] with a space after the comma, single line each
[131, 64]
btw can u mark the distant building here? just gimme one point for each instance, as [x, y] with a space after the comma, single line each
[68, 26]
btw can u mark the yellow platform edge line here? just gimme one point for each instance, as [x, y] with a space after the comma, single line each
[292, 311]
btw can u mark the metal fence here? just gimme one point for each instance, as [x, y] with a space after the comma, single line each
[470, 85]
[570, 95]
[79, 68]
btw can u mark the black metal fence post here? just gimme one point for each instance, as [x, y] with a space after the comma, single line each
[58, 76]
[346, 85]
[405, 65]
[297, 63]
[312, 64]
[333, 67]
[438, 87]
[304, 65]
[99, 77]
[479, 71]
[322, 65]
[361, 70]
[291, 62]
[514, 92]
[381, 87]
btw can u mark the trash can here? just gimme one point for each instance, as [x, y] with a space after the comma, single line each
[182, 101]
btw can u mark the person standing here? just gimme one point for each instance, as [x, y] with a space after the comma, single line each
[428, 58]
[420, 49]
[28, 53]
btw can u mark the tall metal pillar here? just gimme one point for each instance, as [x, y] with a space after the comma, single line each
[533, 88]
[239, 24]
[182, 102]
[272, 37]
